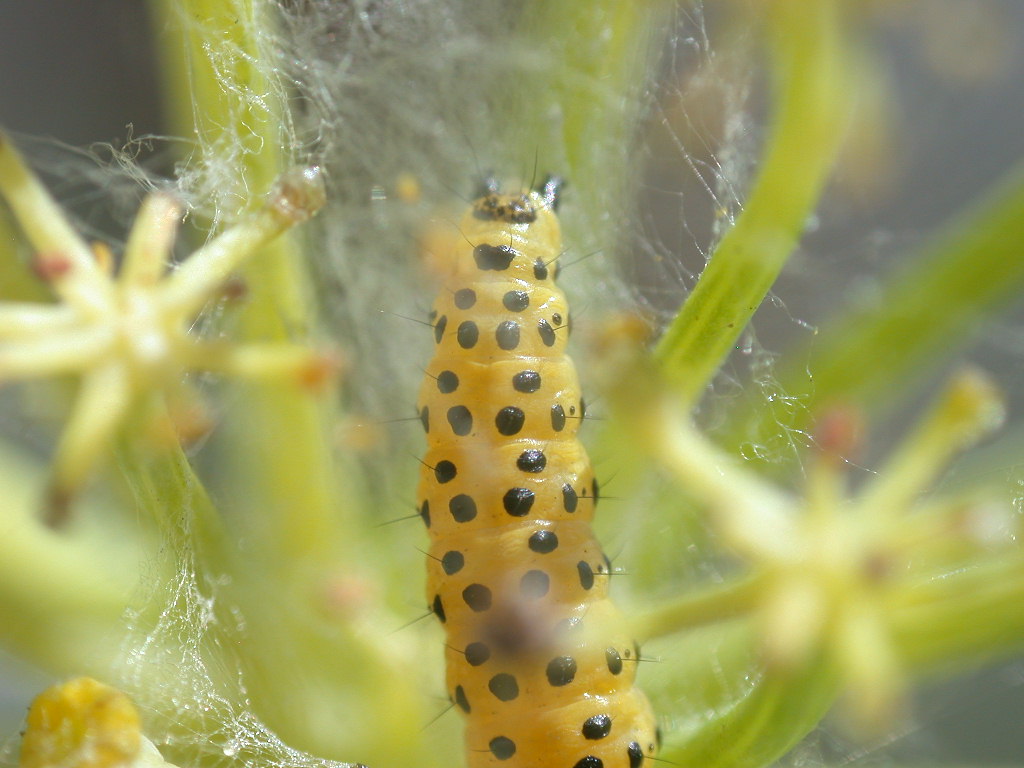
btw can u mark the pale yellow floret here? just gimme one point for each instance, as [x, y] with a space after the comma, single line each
[131, 334]
[825, 565]
[85, 724]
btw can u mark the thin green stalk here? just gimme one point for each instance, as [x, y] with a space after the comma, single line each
[278, 452]
[966, 617]
[811, 88]
[17, 283]
[713, 604]
[923, 315]
[60, 596]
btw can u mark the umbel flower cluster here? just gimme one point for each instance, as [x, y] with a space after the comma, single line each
[129, 332]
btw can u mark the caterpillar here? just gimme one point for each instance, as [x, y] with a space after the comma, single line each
[537, 656]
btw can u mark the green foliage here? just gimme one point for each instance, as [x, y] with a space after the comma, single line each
[272, 592]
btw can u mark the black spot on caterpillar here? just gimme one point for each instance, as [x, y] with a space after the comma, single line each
[535, 646]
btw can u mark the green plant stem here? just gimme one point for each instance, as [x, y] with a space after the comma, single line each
[166, 486]
[734, 712]
[278, 451]
[60, 595]
[967, 617]
[714, 604]
[599, 63]
[17, 283]
[811, 87]
[922, 315]
[326, 665]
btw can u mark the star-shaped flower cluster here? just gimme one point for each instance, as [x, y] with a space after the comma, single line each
[833, 576]
[131, 334]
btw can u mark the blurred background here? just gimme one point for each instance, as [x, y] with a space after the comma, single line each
[78, 73]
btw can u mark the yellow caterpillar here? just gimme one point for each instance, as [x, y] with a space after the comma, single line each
[537, 657]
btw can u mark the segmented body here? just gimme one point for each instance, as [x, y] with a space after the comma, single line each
[537, 655]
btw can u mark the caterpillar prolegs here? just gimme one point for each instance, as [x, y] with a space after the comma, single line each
[537, 656]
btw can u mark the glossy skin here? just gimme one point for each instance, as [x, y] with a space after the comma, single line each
[538, 657]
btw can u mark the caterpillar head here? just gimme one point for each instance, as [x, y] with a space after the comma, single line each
[512, 234]
[516, 208]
